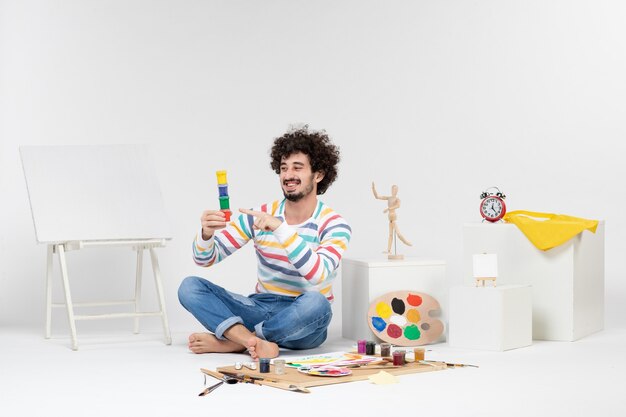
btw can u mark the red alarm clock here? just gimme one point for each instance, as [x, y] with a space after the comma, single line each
[492, 206]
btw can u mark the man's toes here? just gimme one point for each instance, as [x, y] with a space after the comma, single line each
[197, 349]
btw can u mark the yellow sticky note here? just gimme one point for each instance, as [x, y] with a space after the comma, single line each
[383, 378]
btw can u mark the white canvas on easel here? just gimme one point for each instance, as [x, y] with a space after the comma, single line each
[485, 267]
[90, 196]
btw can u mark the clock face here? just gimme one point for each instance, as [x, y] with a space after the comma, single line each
[492, 208]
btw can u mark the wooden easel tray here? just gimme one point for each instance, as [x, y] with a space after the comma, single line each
[292, 376]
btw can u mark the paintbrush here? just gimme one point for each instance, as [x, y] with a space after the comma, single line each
[223, 378]
[210, 389]
[459, 365]
[373, 365]
[450, 365]
[270, 383]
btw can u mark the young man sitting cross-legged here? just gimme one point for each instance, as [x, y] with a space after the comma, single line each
[299, 242]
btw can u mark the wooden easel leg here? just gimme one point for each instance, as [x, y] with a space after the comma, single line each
[68, 296]
[49, 262]
[138, 274]
[159, 288]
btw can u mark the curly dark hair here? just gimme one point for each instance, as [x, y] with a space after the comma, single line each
[322, 153]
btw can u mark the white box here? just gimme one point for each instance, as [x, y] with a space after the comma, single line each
[490, 318]
[365, 280]
[567, 281]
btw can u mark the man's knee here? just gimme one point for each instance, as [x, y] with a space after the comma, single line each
[316, 305]
[315, 298]
[188, 288]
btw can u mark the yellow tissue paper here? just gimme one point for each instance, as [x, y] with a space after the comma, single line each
[383, 378]
[546, 230]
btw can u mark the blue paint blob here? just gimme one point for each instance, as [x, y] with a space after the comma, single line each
[378, 323]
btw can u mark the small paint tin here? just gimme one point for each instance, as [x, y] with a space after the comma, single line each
[361, 346]
[227, 214]
[370, 348]
[264, 365]
[279, 366]
[398, 358]
[385, 350]
[224, 203]
[221, 177]
[419, 354]
[223, 189]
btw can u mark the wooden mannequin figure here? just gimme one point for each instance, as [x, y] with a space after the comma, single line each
[393, 203]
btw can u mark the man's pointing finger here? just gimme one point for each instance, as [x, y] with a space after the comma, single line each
[251, 212]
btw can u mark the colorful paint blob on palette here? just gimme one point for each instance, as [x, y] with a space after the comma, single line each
[325, 370]
[406, 318]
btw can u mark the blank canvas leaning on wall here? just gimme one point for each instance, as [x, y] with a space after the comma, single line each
[103, 192]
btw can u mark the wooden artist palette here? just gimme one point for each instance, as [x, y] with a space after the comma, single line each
[405, 318]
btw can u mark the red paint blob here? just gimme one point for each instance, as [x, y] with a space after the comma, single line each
[394, 331]
[414, 300]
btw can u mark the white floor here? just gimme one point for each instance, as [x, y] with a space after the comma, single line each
[123, 374]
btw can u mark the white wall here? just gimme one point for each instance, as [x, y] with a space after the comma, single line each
[444, 98]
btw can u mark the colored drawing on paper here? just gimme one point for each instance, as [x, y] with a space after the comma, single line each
[325, 370]
[408, 318]
[335, 358]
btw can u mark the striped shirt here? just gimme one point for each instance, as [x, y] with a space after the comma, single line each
[292, 259]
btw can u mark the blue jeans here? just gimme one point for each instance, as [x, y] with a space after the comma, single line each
[291, 322]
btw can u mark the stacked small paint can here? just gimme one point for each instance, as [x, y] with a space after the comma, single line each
[222, 186]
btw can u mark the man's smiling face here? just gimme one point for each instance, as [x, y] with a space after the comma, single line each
[296, 177]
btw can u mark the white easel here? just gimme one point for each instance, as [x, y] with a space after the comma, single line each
[96, 196]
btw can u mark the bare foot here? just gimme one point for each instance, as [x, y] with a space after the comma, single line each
[208, 343]
[259, 348]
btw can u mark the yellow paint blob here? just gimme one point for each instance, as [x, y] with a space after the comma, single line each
[413, 316]
[383, 310]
